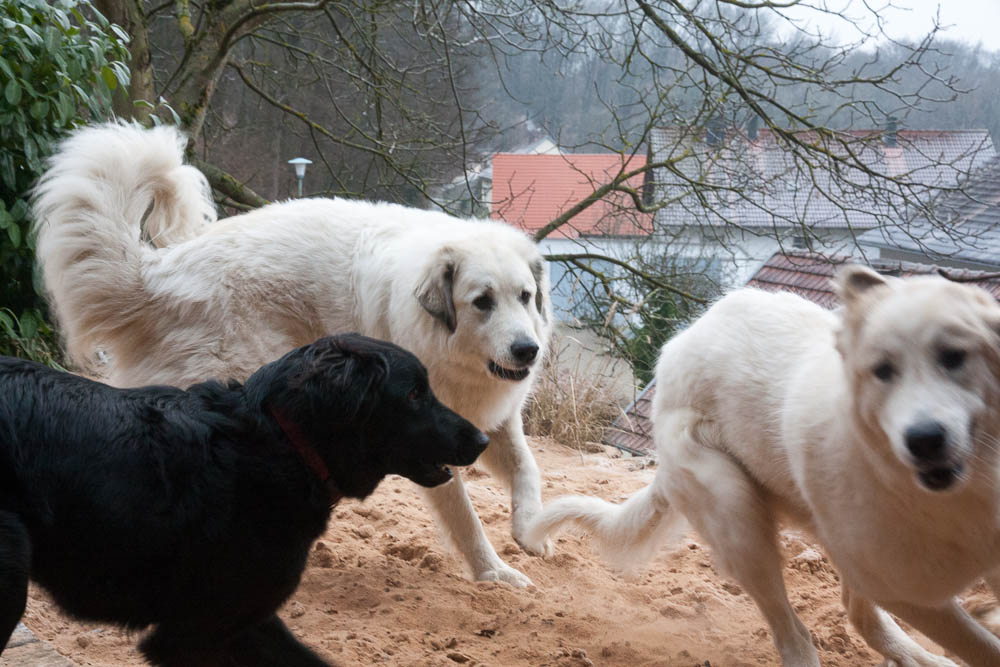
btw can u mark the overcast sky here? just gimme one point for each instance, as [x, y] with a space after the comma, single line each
[973, 21]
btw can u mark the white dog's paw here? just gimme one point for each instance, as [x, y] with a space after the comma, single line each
[506, 574]
[520, 524]
[543, 548]
[920, 660]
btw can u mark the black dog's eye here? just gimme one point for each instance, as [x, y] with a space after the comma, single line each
[525, 297]
[951, 358]
[483, 302]
[884, 371]
[415, 394]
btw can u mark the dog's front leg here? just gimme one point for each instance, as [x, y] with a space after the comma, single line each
[992, 580]
[271, 644]
[989, 613]
[885, 636]
[954, 630]
[15, 568]
[452, 505]
[268, 643]
[509, 458]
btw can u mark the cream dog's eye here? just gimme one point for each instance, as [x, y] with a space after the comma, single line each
[525, 297]
[952, 358]
[884, 371]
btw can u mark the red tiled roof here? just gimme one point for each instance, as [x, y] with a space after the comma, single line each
[529, 191]
[809, 275]
[633, 431]
[804, 274]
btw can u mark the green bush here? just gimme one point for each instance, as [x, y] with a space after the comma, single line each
[59, 64]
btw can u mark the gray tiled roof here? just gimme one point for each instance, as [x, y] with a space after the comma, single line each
[762, 184]
[964, 225]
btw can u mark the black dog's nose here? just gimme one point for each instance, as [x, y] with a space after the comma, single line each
[926, 440]
[473, 442]
[524, 351]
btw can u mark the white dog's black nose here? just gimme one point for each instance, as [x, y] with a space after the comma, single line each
[524, 351]
[926, 440]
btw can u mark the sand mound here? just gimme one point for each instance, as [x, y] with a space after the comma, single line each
[383, 588]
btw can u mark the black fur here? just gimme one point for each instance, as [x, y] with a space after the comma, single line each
[192, 510]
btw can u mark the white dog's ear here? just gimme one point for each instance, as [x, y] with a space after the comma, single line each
[538, 270]
[435, 289]
[853, 281]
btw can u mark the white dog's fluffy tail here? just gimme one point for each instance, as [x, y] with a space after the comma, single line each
[111, 193]
[628, 534]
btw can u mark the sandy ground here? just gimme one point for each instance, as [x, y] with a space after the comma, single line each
[383, 588]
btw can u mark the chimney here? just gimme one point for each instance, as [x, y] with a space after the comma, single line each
[648, 184]
[753, 128]
[715, 132]
[891, 136]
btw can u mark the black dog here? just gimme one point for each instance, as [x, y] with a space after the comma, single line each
[194, 510]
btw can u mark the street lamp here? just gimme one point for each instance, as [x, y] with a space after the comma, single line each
[300, 169]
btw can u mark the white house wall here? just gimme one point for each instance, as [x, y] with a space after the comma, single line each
[739, 254]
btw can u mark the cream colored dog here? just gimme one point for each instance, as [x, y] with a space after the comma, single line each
[876, 430]
[202, 299]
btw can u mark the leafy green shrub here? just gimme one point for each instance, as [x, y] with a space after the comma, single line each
[28, 336]
[59, 64]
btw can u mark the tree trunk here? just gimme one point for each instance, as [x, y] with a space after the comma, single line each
[138, 101]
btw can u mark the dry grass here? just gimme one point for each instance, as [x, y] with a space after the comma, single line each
[570, 403]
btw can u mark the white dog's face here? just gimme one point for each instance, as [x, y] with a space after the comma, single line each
[922, 357]
[494, 303]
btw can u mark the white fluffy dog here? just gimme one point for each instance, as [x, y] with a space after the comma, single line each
[136, 266]
[876, 430]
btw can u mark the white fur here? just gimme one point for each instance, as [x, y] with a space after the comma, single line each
[175, 299]
[768, 408]
[627, 534]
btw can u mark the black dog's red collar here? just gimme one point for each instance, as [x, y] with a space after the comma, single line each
[308, 454]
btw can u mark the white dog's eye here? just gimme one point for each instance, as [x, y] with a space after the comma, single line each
[884, 371]
[483, 302]
[952, 359]
[525, 297]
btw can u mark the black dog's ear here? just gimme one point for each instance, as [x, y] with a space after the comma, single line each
[538, 270]
[339, 378]
[435, 291]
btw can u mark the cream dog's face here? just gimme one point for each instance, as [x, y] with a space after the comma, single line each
[922, 357]
[494, 303]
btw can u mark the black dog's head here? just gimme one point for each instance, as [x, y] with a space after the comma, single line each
[365, 406]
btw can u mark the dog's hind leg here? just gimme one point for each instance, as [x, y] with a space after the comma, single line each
[451, 503]
[727, 509]
[15, 568]
[954, 630]
[509, 458]
[885, 636]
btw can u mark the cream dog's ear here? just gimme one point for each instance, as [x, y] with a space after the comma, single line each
[435, 290]
[858, 287]
[854, 281]
[989, 313]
